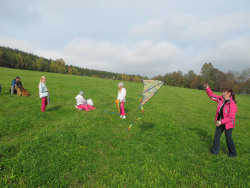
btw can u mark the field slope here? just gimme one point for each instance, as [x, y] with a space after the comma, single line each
[64, 147]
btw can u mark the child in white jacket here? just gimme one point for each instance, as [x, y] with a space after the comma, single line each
[82, 103]
[43, 93]
[121, 97]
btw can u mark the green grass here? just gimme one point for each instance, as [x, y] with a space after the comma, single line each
[64, 147]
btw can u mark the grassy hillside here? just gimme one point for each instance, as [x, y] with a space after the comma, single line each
[64, 147]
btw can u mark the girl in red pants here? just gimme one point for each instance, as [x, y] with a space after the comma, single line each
[43, 92]
[82, 103]
[121, 97]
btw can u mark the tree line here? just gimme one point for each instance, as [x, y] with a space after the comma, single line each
[240, 82]
[216, 79]
[14, 58]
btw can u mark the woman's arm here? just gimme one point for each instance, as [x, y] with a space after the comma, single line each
[214, 97]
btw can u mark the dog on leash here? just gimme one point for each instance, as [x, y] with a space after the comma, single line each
[21, 91]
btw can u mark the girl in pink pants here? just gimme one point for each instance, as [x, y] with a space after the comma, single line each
[82, 103]
[44, 104]
[43, 92]
[121, 97]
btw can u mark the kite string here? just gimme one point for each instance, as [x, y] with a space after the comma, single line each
[118, 107]
[137, 118]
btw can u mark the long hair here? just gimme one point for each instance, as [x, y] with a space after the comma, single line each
[41, 79]
[231, 91]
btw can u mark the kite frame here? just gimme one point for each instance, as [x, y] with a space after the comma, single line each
[141, 106]
[161, 83]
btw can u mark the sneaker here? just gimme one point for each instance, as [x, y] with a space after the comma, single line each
[120, 116]
[124, 117]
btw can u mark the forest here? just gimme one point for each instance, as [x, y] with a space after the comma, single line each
[240, 82]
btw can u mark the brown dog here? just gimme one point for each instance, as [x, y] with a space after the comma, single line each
[24, 92]
[18, 87]
[18, 91]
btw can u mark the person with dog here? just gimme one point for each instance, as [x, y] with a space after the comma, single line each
[82, 103]
[19, 87]
[43, 92]
[121, 97]
[224, 119]
[14, 86]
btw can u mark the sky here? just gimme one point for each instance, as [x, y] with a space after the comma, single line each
[145, 37]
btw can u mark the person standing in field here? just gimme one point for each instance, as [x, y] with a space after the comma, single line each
[43, 92]
[82, 103]
[224, 119]
[121, 97]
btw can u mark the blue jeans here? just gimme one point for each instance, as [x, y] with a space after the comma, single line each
[230, 142]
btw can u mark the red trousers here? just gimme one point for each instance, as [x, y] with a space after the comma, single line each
[85, 107]
[44, 103]
[122, 113]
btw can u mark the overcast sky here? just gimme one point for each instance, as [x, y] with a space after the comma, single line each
[146, 37]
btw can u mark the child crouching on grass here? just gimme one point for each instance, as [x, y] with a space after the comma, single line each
[82, 103]
[121, 97]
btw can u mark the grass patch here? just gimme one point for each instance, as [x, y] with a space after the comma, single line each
[64, 147]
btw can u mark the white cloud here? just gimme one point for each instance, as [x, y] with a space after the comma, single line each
[232, 55]
[16, 44]
[144, 57]
[168, 23]
[206, 30]
[116, 57]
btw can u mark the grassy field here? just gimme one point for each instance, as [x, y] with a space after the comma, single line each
[64, 147]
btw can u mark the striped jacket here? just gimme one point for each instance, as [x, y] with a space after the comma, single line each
[229, 110]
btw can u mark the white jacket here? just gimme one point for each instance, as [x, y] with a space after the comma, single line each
[43, 91]
[121, 95]
[80, 100]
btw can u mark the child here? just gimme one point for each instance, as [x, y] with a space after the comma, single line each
[82, 103]
[43, 92]
[121, 97]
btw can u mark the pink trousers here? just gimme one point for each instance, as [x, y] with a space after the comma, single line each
[85, 107]
[44, 104]
[122, 113]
